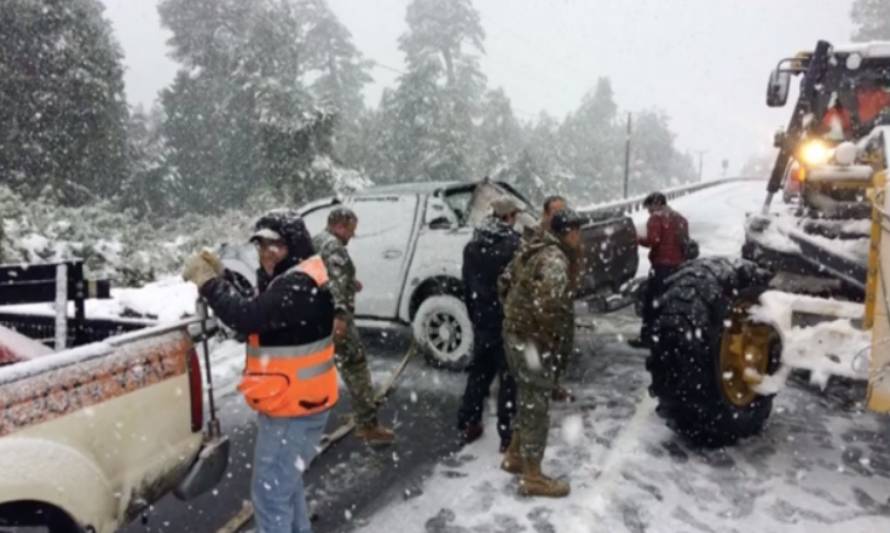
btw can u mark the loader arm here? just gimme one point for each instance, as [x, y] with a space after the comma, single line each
[796, 126]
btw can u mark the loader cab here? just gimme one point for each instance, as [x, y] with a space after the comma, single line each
[844, 91]
[844, 94]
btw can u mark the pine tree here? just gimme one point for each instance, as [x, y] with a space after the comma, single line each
[342, 75]
[655, 163]
[150, 187]
[62, 104]
[499, 135]
[239, 115]
[434, 106]
[872, 18]
[526, 177]
[545, 150]
[593, 144]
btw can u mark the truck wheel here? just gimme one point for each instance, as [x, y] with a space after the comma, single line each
[709, 354]
[443, 332]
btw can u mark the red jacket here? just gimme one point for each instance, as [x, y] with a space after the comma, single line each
[871, 101]
[666, 232]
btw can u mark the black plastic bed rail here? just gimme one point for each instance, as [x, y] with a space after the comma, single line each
[37, 283]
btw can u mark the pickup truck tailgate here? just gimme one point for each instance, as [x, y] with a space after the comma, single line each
[609, 244]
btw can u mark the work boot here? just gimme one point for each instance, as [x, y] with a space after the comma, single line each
[471, 433]
[375, 434]
[562, 394]
[534, 483]
[512, 462]
[639, 342]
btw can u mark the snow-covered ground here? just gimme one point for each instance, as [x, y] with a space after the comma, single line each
[822, 465]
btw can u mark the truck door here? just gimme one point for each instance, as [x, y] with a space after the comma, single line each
[380, 248]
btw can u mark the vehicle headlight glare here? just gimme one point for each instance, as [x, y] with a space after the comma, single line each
[815, 153]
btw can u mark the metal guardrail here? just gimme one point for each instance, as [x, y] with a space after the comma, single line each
[634, 204]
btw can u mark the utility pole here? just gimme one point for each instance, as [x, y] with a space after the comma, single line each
[627, 155]
[701, 157]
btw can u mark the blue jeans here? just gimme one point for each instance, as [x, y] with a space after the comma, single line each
[284, 448]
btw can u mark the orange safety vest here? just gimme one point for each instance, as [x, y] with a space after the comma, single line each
[291, 381]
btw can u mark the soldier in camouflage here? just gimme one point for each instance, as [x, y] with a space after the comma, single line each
[552, 205]
[350, 353]
[537, 322]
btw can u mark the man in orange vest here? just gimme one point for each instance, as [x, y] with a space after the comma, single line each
[289, 378]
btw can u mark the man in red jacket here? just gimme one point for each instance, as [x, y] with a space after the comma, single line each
[667, 234]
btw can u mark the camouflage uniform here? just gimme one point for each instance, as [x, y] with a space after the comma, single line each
[537, 325]
[350, 353]
[567, 329]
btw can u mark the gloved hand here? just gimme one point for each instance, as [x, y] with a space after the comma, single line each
[213, 260]
[198, 270]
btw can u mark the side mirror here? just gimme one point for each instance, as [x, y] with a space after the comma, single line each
[440, 223]
[777, 89]
[779, 139]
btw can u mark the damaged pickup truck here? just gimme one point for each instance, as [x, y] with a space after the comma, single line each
[408, 252]
[91, 435]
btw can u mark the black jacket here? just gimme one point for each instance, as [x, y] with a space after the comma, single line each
[290, 307]
[291, 310]
[485, 258]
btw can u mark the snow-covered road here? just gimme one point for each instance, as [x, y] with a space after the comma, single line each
[822, 465]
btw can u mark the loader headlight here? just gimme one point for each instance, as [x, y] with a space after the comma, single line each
[815, 153]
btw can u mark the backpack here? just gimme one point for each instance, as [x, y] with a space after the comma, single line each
[690, 249]
[688, 245]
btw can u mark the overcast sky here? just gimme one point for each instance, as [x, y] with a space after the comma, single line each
[704, 62]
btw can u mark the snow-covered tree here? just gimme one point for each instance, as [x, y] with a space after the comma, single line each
[432, 109]
[62, 105]
[592, 141]
[526, 177]
[342, 74]
[237, 111]
[150, 188]
[872, 18]
[545, 151]
[655, 163]
[499, 134]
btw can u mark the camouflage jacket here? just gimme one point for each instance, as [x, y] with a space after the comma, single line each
[536, 291]
[341, 271]
[576, 259]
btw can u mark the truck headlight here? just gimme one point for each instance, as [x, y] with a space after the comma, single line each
[815, 153]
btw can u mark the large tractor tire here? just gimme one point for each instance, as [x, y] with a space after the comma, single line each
[709, 355]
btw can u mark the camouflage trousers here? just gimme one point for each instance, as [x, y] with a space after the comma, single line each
[535, 375]
[350, 358]
[566, 350]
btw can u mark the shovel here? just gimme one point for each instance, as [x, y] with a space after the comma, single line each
[213, 458]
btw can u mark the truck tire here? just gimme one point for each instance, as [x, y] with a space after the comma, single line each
[708, 353]
[443, 332]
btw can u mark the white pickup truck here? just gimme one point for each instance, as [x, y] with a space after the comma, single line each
[408, 252]
[91, 435]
